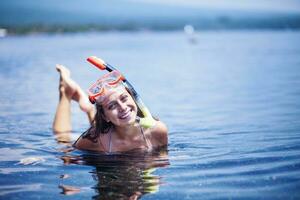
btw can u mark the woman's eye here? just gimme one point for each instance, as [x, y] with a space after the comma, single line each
[112, 106]
[124, 98]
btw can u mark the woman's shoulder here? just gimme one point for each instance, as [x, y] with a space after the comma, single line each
[160, 133]
[90, 134]
[85, 140]
[84, 144]
[89, 140]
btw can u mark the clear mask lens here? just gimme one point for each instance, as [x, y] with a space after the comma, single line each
[108, 81]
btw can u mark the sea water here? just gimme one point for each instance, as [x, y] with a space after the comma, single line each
[231, 101]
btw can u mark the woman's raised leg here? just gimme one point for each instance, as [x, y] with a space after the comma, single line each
[69, 90]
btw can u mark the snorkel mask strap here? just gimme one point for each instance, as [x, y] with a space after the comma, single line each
[147, 121]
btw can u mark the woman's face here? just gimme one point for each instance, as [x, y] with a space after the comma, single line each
[120, 108]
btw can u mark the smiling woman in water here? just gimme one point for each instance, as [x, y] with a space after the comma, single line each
[115, 125]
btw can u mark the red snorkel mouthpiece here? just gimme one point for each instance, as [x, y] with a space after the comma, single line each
[99, 63]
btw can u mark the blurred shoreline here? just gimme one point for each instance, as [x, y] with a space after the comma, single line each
[289, 25]
[45, 16]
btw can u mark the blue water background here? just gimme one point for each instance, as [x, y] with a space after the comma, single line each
[231, 100]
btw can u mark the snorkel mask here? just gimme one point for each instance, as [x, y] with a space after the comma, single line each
[104, 86]
[115, 80]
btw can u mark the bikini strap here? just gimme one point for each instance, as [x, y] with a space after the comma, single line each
[110, 142]
[146, 140]
[142, 132]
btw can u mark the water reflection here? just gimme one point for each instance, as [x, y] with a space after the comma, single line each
[128, 175]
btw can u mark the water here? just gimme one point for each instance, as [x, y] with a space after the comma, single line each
[230, 100]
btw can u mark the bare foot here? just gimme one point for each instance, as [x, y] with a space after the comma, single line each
[67, 86]
[72, 90]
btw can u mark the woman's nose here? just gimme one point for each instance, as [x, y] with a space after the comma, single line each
[122, 106]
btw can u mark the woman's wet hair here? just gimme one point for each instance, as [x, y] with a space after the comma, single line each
[100, 125]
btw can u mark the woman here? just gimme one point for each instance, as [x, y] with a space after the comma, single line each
[114, 126]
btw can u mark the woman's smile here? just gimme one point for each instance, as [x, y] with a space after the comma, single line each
[126, 114]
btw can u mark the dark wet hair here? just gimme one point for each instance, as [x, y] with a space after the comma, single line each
[100, 125]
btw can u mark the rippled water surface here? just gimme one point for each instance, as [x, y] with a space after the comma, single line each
[231, 101]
